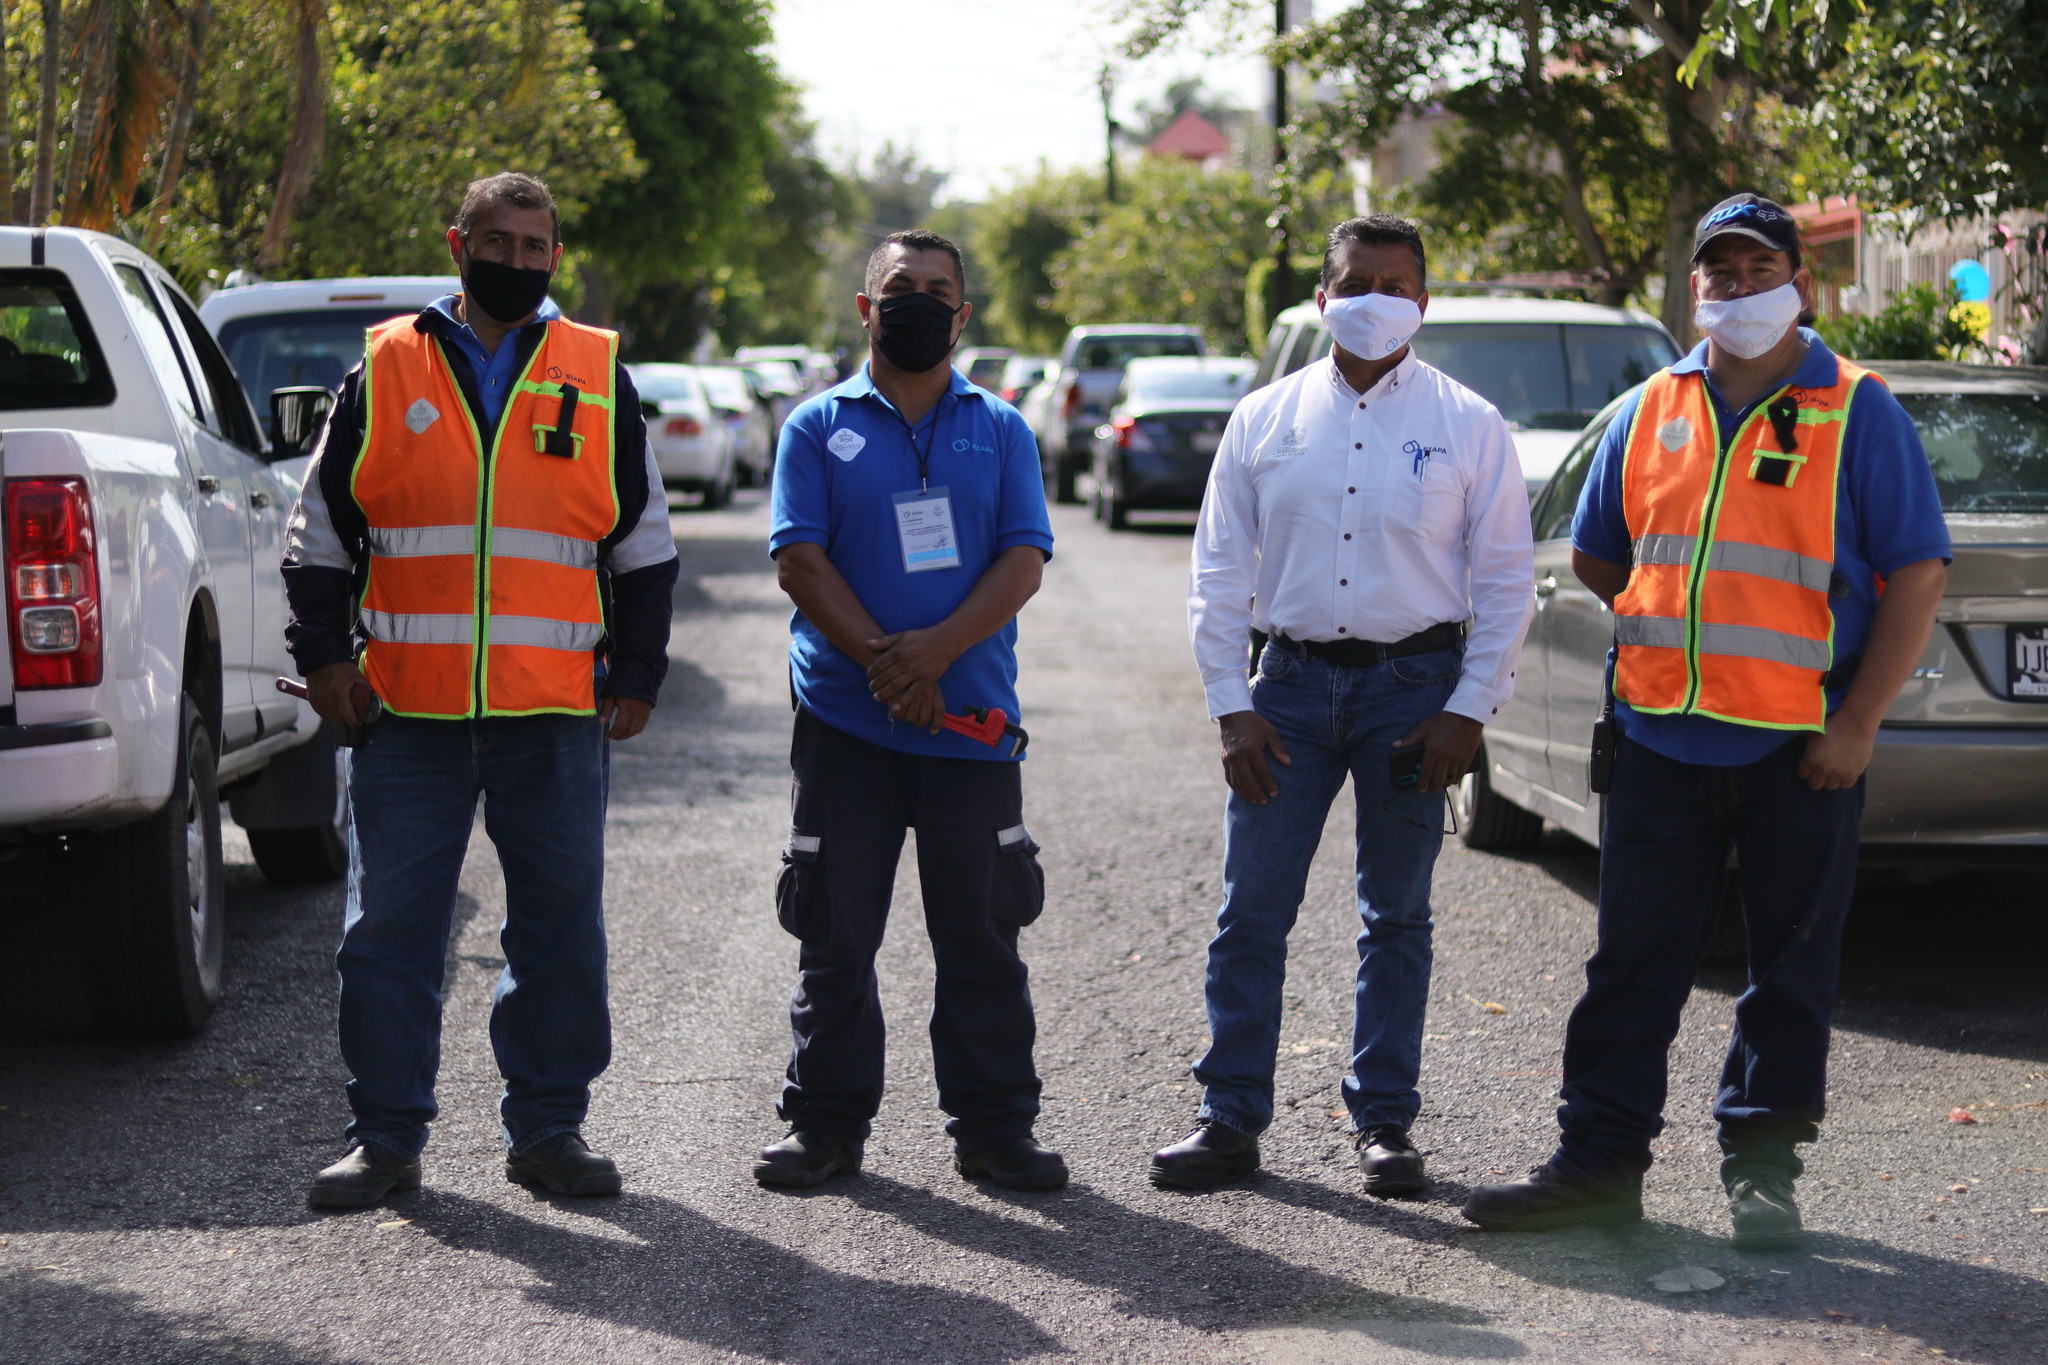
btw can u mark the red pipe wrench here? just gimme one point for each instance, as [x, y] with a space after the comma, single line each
[989, 725]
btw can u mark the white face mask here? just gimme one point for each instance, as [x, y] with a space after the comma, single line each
[1750, 326]
[1372, 326]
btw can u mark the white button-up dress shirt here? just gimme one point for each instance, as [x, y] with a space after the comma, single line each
[1335, 515]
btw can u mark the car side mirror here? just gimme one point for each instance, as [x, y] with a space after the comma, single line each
[296, 415]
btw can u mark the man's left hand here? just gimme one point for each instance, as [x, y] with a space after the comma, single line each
[906, 660]
[623, 717]
[1449, 744]
[1836, 758]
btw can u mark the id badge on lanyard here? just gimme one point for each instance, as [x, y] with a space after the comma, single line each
[924, 524]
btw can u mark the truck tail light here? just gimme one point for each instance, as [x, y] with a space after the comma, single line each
[1124, 427]
[684, 426]
[53, 584]
[1073, 397]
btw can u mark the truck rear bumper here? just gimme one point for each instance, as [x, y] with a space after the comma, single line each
[64, 775]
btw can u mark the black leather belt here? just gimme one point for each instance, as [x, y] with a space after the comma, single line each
[1365, 653]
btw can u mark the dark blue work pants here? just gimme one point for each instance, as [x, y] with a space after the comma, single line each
[1670, 826]
[978, 870]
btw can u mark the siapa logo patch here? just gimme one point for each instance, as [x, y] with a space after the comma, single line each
[1674, 434]
[845, 443]
[421, 415]
[962, 445]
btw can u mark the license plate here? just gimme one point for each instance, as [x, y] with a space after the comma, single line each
[2026, 661]
[1205, 442]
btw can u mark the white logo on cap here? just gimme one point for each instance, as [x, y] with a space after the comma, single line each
[421, 415]
[1675, 433]
[846, 444]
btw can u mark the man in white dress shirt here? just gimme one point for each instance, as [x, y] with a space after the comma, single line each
[1367, 513]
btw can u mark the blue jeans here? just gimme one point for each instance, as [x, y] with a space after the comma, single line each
[1334, 721]
[413, 792]
[1670, 826]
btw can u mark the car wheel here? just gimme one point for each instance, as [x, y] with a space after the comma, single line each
[153, 893]
[1064, 480]
[1487, 820]
[1116, 512]
[718, 492]
[318, 853]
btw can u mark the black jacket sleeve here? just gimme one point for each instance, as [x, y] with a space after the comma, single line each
[325, 548]
[642, 597]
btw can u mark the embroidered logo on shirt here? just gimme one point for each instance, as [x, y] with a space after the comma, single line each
[963, 445]
[846, 444]
[1674, 434]
[1421, 455]
[1289, 444]
[421, 415]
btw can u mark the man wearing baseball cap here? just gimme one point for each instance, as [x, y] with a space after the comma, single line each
[1763, 522]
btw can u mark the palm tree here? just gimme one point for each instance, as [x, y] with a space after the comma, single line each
[96, 30]
[6, 129]
[42, 197]
[308, 133]
[130, 51]
[199, 18]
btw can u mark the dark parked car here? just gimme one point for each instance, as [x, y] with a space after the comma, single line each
[1090, 366]
[1164, 426]
[1961, 769]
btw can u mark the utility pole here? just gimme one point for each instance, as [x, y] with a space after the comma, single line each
[1109, 130]
[1280, 289]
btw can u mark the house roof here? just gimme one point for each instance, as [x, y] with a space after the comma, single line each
[1190, 136]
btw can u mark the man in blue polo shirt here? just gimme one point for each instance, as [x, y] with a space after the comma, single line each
[1763, 627]
[909, 530]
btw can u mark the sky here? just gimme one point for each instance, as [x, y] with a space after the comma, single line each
[983, 89]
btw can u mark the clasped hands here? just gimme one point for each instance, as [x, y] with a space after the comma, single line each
[905, 675]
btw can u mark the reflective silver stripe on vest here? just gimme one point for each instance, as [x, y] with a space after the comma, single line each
[539, 632]
[1743, 642]
[513, 543]
[410, 542]
[419, 628]
[1737, 556]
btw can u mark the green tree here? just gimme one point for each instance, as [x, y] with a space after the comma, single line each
[1022, 231]
[771, 289]
[1176, 249]
[1917, 323]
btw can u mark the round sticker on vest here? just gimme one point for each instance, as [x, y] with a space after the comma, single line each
[421, 415]
[845, 444]
[1674, 434]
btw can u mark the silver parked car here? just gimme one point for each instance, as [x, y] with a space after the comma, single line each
[1961, 769]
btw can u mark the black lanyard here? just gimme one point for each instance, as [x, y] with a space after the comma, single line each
[924, 457]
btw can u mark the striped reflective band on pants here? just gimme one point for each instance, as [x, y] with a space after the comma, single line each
[1736, 556]
[1746, 642]
[425, 628]
[412, 542]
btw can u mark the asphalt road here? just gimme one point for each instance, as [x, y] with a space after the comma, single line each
[151, 1197]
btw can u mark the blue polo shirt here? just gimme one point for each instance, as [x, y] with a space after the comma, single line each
[843, 457]
[497, 372]
[1887, 515]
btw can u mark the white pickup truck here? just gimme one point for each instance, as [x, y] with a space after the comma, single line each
[143, 521]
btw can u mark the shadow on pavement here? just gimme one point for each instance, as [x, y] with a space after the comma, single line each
[681, 1275]
[1966, 1310]
[74, 1324]
[1165, 1268]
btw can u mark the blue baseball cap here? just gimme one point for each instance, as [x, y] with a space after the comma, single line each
[1752, 216]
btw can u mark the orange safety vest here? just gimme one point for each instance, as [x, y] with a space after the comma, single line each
[482, 597]
[1726, 611]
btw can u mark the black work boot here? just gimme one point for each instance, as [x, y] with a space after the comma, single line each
[1019, 1164]
[805, 1158]
[1392, 1166]
[1213, 1153]
[364, 1177]
[1765, 1215]
[563, 1164]
[1548, 1198]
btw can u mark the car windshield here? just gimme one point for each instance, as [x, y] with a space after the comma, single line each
[284, 350]
[48, 358]
[728, 388]
[1989, 450]
[1115, 352]
[986, 368]
[666, 386]
[1211, 384]
[1545, 375]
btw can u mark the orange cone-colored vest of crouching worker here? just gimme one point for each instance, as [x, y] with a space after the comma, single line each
[483, 596]
[1726, 611]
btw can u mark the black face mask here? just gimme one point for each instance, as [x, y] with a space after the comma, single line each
[505, 293]
[917, 331]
